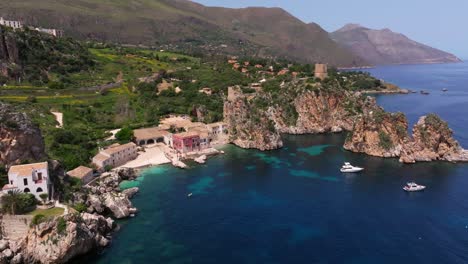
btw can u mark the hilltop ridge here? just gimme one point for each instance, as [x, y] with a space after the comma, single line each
[384, 46]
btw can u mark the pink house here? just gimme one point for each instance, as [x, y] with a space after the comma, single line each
[186, 142]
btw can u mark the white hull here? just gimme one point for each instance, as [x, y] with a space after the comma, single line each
[353, 170]
[417, 189]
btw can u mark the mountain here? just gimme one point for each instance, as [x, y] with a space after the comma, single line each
[386, 47]
[187, 26]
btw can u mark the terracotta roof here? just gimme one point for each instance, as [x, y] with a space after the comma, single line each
[149, 133]
[216, 124]
[8, 187]
[201, 131]
[80, 172]
[27, 169]
[101, 157]
[119, 148]
[186, 134]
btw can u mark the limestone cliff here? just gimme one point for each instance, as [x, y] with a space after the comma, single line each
[20, 139]
[60, 239]
[378, 133]
[320, 111]
[250, 127]
[385, 135]
[9, 55]
[433, 140]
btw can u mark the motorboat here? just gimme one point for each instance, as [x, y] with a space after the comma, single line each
[413, 187]
[347, 167]
[189, 195]
[425, 92]
[444, 90]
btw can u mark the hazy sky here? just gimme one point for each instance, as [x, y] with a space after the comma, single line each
[440, 24]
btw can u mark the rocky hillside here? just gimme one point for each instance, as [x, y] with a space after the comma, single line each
[386, 47]
[20, 139]
[34, 57]
[185, 25]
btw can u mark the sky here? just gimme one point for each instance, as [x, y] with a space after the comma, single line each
[440, 24]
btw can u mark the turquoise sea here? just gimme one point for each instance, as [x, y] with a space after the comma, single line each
[294, 206]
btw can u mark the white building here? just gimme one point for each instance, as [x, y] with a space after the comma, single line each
[217, 129]
[115, 156]
[29, 178]
[10, 23]
[51, 31]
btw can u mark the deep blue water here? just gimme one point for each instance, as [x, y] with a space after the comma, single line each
[293, 206]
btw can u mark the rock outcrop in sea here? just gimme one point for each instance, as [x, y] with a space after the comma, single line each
[249, 127]
[105, 197]
[302, 110]
[20, 139]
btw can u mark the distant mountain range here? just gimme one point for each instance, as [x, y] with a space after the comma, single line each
[187, 26]
[387, 47]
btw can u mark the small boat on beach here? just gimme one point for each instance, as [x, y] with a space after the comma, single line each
[348, 168]
[413, 187]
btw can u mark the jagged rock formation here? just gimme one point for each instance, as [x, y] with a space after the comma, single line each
[249, 127]
[385, 135]
[386, 47]
[62, 238]
[378, 133]
[105, 196]
[433, 140]
[20, 139]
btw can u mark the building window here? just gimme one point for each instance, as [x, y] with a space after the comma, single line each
[39, 190]
[25, 181]
[11, 182]
[26, 190]
[39, 176]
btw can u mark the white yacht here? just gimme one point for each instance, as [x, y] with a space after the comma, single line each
[413, 187]
[347, 167]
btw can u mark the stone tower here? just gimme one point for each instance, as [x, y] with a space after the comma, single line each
[321, 71]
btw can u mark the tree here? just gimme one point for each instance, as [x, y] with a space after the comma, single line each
[11, 201]
[44, 197]
[124, 135]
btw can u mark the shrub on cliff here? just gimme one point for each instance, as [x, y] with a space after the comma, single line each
[385, 142]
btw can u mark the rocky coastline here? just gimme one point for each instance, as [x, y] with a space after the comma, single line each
[62, 238]
[370, 129]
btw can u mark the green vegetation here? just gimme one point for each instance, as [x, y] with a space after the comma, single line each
[56, 211]
[61, 225]
[37, 219]
[44, 197]
[385, 142]
[80, 207]
[15, 202]
[125, 135]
